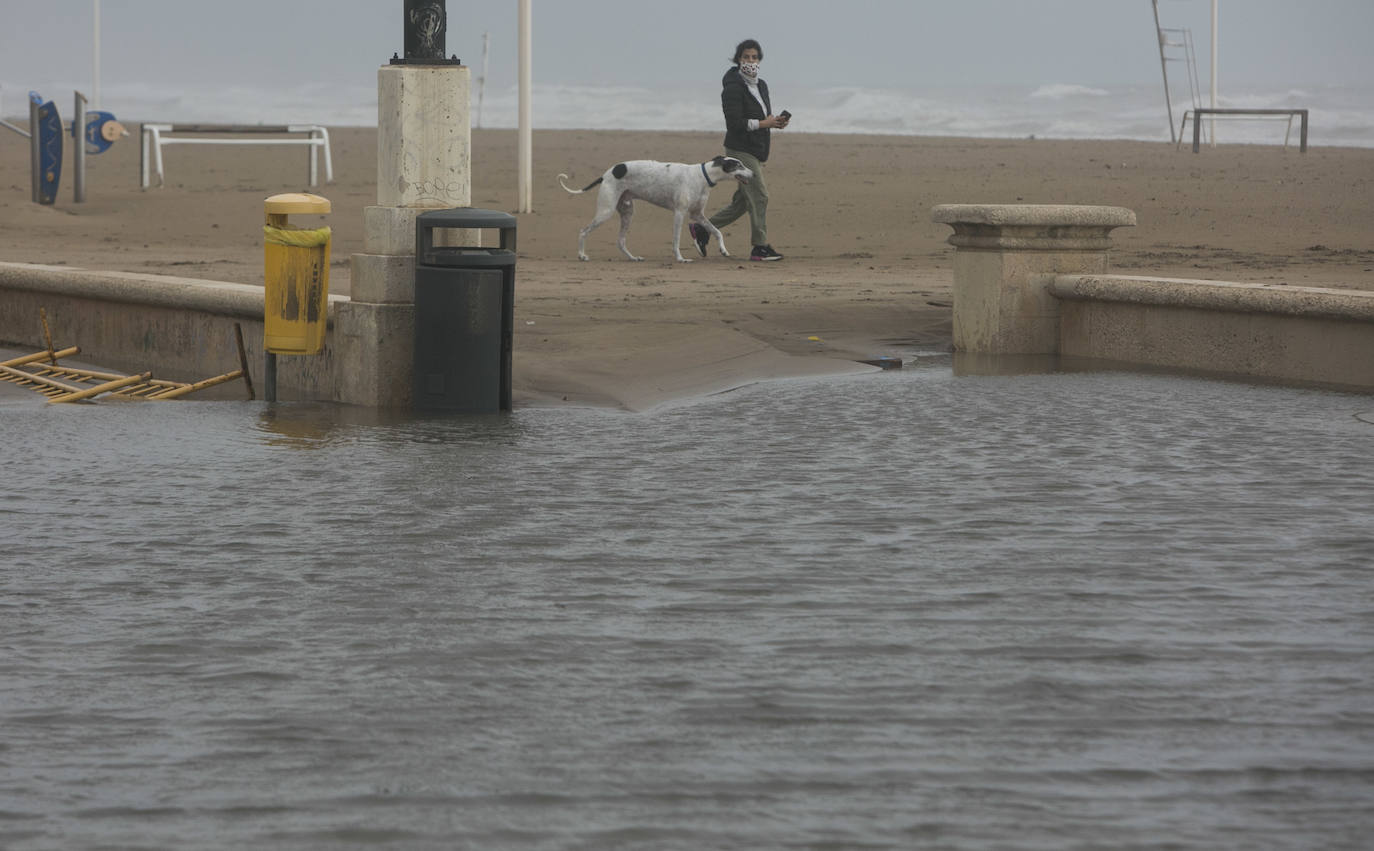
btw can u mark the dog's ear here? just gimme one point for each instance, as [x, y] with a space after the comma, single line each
[729, 164]
[718, 161]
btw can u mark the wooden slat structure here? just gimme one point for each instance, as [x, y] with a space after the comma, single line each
[43, 373]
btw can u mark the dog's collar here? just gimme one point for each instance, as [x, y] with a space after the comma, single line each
[705, 175]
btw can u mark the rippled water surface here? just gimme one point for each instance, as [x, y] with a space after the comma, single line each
[906, 610]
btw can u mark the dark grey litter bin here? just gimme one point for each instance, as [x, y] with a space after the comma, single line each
[464, 313]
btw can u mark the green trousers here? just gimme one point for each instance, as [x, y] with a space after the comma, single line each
[751, 198]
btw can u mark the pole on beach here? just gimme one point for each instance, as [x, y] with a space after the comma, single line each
[525, 182]
[35, 151]
[95, 56]
[1212, 123]
[79, 149]
[482, 80]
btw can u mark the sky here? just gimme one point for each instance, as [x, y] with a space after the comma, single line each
[898, 44]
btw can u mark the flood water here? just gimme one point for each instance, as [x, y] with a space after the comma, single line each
[900, 610]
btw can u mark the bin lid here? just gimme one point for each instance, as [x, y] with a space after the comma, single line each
[466, 217]
[295, 202]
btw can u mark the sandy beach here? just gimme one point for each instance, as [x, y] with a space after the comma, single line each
[866, 272]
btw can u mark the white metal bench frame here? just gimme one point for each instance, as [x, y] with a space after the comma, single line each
[156, 136]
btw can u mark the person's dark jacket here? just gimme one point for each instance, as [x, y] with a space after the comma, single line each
[740, 106]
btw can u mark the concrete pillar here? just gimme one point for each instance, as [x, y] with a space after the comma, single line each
[1006, 255]
[424, 162]
[424, 138]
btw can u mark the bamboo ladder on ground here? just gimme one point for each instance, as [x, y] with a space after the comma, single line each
[41, 372]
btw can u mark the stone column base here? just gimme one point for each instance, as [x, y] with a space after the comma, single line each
[374, 354]
[1007, 255]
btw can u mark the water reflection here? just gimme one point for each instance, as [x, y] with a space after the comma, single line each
[970, 364]
[303, 425]
[977, 363]
[321, 425]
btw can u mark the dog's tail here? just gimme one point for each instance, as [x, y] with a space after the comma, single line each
[563, 177]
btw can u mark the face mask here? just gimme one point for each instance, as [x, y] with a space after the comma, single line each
[749, 69]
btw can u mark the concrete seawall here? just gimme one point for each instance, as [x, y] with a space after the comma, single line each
[1033, 280]
[180, 328]
[1293, 334]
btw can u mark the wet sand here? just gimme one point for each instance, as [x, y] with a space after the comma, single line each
[866, 273]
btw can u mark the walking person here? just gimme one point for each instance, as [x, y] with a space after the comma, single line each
[749, 119]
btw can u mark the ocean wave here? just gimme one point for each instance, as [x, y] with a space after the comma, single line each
[1059, 91]
[1339, 115]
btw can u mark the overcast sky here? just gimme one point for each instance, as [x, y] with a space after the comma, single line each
[902, 44]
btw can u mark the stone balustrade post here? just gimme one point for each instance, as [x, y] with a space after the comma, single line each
[1006, 255]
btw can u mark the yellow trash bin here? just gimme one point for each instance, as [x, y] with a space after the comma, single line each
[296, 276]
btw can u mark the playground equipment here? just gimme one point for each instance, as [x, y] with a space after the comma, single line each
[45, 137]
[99, 130]
[1273, 114]
[158, 136]
[1176, 45]
[92, 133]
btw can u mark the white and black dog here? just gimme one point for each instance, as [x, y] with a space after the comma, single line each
[680, 187]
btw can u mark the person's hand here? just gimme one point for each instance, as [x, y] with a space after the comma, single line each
[773, 121]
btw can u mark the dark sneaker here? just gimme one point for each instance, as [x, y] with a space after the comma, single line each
[764, 252]
[700, 236]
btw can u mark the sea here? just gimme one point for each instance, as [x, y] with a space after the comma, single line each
[1340, 115]
[919, 608]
